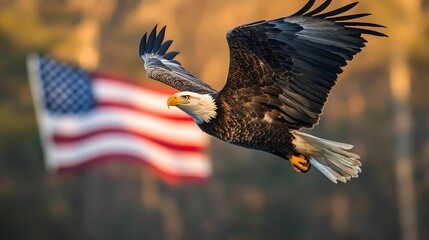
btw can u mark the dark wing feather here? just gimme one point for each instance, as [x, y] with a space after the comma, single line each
[162, 67]
[337, 11]
[306, 7]
[320, 8]
[287, 67]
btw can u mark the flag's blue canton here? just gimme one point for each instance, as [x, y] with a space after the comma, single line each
[66, 90]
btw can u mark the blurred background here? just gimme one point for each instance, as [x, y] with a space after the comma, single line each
[380, 105]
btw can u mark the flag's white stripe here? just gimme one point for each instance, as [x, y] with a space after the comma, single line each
[145, 99]
[170, 131]
[172, 162]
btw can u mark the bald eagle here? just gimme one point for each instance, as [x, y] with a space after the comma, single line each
[280, 75]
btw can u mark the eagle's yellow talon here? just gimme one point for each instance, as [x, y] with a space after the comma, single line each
[300, 163]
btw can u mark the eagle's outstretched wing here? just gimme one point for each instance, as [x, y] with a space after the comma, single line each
[285, 68]
[162, 67]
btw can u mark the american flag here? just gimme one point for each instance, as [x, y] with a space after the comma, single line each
[86, 118]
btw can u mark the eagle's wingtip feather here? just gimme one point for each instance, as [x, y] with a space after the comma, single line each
[142, 46]
[304, 9]
[151, 39]
[159, 39]
[319, 9]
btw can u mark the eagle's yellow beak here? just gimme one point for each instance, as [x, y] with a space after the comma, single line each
[177, 100]
[172, 101]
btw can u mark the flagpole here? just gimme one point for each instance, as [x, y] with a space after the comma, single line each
[33, 69]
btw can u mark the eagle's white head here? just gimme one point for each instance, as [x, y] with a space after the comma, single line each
[201, 107]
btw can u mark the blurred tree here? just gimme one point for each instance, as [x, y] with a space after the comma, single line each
[409, 28]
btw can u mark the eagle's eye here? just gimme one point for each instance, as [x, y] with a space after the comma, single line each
[185, 97]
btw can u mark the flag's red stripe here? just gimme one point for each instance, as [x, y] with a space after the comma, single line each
[63, 139]
[172, 178]
[107, 104]
[128, 82]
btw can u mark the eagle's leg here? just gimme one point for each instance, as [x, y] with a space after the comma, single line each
[300, 163]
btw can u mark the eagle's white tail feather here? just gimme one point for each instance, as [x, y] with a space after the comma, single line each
[329, 157]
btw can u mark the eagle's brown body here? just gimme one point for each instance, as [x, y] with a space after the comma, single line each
[228, 126]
